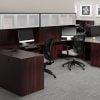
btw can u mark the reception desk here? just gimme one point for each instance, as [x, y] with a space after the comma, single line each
[94, 50]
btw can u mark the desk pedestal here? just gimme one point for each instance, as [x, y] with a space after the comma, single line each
[21, 72]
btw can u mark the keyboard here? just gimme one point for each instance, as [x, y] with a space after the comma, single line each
[30, 46]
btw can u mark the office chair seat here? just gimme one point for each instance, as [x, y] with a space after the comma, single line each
[70, 52]
[78, 50]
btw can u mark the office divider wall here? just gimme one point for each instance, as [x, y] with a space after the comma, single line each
[31, 20]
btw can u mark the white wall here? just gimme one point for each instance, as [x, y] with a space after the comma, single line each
[88, 2]
[37, 6]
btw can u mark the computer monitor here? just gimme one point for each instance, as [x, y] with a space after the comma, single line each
[68, 32]
[25, 36]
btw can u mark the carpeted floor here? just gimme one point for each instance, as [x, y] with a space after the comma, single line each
[76, 84]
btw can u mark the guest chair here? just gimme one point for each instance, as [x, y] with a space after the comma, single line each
[77, 50]
[48, 59]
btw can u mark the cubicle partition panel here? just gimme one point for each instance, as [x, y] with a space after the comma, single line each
[57, 19]
[46, 33]
[11, 22]
[8, 38]
[44, 25]
[18, 20]
[51, 26]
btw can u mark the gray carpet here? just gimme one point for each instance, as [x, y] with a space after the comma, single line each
[69, 85]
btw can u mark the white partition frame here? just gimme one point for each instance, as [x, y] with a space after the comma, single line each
[7, 21]
[11, 21]
[29, 20]
[55, 21]
[21, 21]
[45, 20]
[33, 20]
[63, 19]
[58, 19]
[0, 21]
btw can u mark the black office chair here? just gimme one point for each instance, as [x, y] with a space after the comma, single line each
[48, 59]
[77, 50]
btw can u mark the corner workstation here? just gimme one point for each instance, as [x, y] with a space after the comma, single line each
[21, 44]
[50, 50]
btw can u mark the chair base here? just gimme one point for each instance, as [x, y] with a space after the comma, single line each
[74, 62]
[49, 72]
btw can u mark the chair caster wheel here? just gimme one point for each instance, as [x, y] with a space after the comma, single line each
[63, 65]
[83, 68]
[54, 76]
[69, 69]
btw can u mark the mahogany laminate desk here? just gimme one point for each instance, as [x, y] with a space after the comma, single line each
[21, 71]
[94, 50]
[57, 47]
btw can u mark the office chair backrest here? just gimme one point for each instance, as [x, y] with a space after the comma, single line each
[47, 50]
[78, 44]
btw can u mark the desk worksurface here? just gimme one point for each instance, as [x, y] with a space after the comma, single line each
[21, 54]
[91, 40]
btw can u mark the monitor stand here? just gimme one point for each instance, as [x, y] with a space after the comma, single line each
[25, 44]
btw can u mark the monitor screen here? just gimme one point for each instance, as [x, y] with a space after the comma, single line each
[25, 35]
[68, 32]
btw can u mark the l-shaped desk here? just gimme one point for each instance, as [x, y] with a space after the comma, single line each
[92, 47]
[23, 72]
